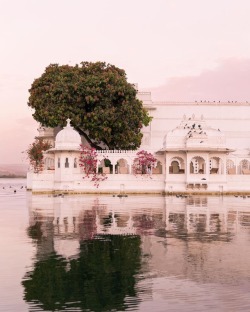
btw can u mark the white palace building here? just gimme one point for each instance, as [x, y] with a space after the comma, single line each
[201, 147]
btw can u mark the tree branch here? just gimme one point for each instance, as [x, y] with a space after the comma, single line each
[92, 144]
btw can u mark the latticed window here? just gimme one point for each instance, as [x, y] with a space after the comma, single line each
[245, 164]
[197, 165]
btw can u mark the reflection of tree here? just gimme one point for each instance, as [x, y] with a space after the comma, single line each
[35, 231]
[42, 232]
[99, 280]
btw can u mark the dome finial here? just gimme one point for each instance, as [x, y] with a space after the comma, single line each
[68, 123]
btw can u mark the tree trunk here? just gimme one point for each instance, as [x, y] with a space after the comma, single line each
[92, 144]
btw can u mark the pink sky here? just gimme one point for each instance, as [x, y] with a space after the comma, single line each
[229, 81]
[178, 49]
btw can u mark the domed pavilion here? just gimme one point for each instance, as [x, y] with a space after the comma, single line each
[195, 156]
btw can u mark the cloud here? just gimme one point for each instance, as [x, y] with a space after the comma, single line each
[229, 81]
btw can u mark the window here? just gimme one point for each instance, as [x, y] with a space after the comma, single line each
[75, 163]
[66, 162]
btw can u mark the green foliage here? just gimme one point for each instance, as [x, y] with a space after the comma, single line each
[97, 98]
[35, 231]
[100, 279]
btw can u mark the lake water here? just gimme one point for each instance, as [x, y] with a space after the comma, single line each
[135, 253]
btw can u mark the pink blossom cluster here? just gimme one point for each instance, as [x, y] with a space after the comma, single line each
[144, 162]
[88, 162]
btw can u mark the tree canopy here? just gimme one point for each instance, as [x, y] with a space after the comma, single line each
[98, 99]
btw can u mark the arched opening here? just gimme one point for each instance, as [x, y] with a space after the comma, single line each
[58, 162]
[215, 165]
[139, 168]
[122, 166]
[197, 165]
[158, 168]
[244, 167]
[105, 166]
[177, 166]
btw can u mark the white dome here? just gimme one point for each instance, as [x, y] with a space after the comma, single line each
[193, 132]
[68, 138]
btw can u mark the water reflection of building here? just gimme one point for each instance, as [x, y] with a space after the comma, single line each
[76, 218]
[201, 239]
[79, 266]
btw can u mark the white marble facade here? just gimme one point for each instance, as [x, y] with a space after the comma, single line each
[199, 146]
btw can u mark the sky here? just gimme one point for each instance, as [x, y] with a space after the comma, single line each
[180, 50]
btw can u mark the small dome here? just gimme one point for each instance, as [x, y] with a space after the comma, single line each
[68, 138]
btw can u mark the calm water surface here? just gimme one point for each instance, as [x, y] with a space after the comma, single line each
[139, 253]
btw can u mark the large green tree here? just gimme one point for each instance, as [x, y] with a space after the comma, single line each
[97, 98]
